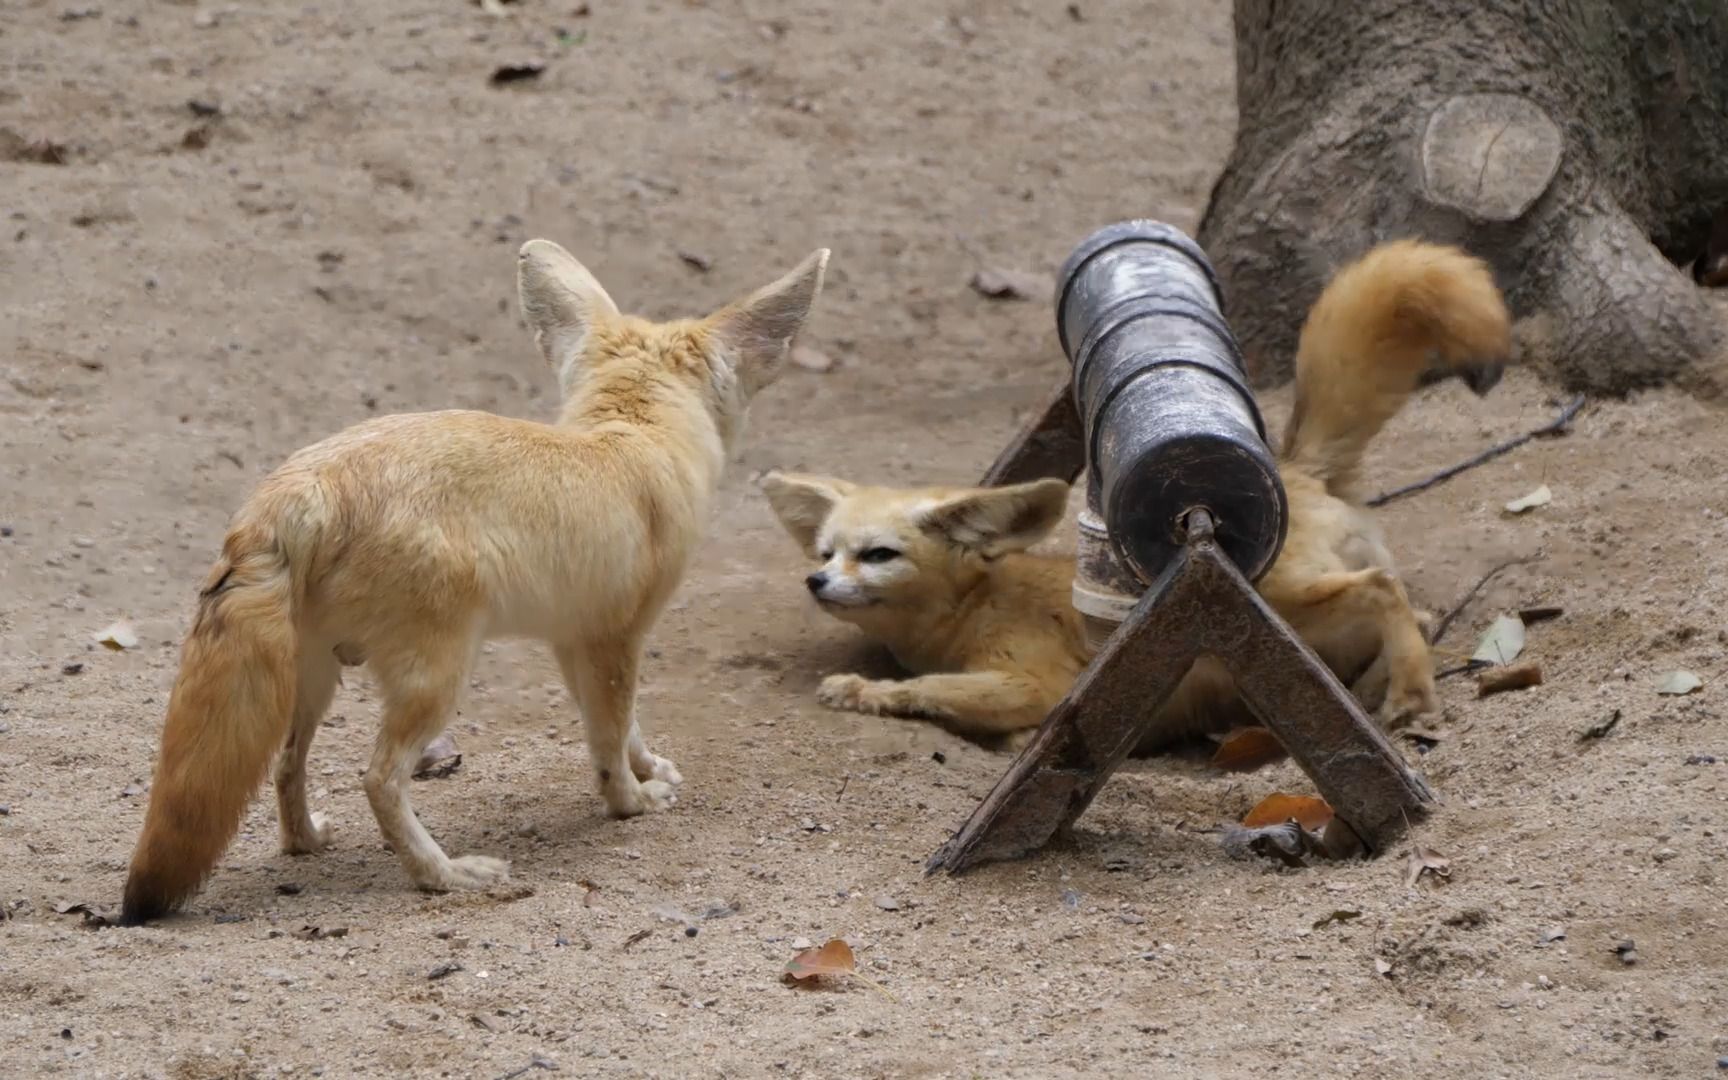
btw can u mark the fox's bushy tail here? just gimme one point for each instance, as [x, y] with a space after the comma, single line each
[1370, 339]
[227, 718]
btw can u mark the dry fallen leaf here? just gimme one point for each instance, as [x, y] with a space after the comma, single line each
[118, 637]
[1342, 915]
[832, 959]
[440, 770]
[1600, 731]
[1308, 811]
[1286, 842]
[1010, 285]
[94, 917]
[1246, 749]
[1679, 683]
[811, 359]
[319, 933]
[1424, 860]
[521, 71]
[1540, 497]
[1503, 641]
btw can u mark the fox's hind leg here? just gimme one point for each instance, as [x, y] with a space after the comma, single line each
[304, 832]
[1337, 612]
[420, 692]
[602, 678]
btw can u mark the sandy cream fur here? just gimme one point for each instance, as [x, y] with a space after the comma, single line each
[407, 541]
[991, 633]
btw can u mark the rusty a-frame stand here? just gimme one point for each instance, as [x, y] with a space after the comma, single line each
[1200, 606]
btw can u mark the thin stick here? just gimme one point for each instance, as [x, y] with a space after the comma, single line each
[1446, 621]
[1462, 669]
[1556, 426]
[872, 984]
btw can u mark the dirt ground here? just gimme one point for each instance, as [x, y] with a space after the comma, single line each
[269, 221]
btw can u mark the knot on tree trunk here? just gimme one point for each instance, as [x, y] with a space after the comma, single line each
[1489, 156]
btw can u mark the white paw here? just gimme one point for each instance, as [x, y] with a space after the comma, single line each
[1405, 706]
[664, 771]
[310, 842]
[657, 768]
[646, 797]
[470, 872]
[841, 691]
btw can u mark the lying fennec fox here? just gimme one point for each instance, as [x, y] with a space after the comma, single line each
[407, 541]
[941, 576]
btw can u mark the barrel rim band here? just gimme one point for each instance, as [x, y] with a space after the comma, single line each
[1135, 308]
[1237, 380]
[1092, 429]
[1183, 305]
[1135, 230]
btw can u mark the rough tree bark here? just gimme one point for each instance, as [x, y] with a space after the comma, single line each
[1580, 146]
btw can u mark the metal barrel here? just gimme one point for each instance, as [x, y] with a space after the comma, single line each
[1170, 421]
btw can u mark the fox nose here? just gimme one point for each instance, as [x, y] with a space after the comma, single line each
[816, 582]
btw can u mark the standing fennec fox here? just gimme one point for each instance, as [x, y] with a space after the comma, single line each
[941, 577]
[407, 541]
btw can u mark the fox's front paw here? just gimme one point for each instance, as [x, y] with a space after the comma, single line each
[465, 872]
[843, 692]
[306, 840]
[1406, 705]
[655, 767]
[645, 797]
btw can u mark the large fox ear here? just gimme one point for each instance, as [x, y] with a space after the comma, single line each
[803, 503]
[562, 303]
[995, 521]
[759, 329]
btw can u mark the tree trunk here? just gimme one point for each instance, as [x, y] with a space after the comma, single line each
[1580, 146]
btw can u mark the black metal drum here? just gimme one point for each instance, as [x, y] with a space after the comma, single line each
[1170, 421]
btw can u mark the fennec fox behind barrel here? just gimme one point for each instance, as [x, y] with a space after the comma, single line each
[942, 577]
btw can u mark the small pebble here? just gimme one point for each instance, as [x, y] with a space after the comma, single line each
[887, 903]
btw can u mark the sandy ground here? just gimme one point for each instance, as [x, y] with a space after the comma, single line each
[191, 297]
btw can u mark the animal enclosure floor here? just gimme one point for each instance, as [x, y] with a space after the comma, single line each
[269, 221]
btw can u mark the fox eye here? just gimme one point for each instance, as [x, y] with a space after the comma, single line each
[878, 554]
[825, 554]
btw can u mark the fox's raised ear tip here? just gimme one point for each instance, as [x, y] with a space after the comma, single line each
[540, 248]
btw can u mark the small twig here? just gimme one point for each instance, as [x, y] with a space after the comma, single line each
[1556, 426]
[1446, 620]
[537, 1063]
[1462, 669]
[844, 780]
